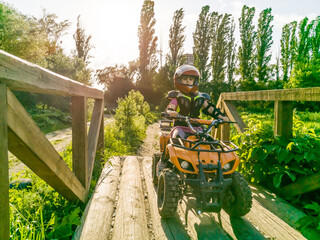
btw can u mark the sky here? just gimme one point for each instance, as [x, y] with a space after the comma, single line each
[113, 24]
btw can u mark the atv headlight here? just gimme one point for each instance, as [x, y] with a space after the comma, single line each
[228, 166]
[184, 164]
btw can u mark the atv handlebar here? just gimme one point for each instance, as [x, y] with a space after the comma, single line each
[188, 120]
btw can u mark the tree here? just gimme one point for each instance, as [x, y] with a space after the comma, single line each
[147, 49]
[285, 52]
[246, 49]
[202, 41]
[231, 57]
[263, 46]
[83, 45]
[117, 81]
[176, 39]
[221, 29]
[53, 30]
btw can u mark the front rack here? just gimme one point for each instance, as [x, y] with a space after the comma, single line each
[215, 146]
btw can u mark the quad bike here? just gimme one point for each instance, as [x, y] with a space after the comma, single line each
[199, 167]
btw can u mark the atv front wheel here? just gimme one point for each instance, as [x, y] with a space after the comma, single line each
[155, 159]
[237, 200]
[168, 193]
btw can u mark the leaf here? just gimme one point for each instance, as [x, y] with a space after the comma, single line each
[289, 146]
[277, 179]
[314, 206]
[282, 155]
[298, 157]
[291, 175]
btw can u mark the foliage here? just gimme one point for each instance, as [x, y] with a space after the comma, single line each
[147, 49]
[83, 45]
[312, 219]
[231, 58]
[49, 119]
[265, 157]
[221, 28]
[176, 39]
[132, 116]
[263, 46]
[40, 212]
[201, 40]
[246, 49]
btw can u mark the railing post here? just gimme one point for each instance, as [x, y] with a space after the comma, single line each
[100, 146]
[283, 118]
[4, 167]
[80, 139]
[225, 129]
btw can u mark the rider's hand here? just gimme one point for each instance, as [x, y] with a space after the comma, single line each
[225, 119]
[172, 113]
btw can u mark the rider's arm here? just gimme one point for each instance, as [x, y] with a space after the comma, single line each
[171, 108]
[209, 109]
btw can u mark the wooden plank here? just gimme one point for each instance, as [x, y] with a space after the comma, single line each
[4, 168]
[100, 146]
[93, 135]
[301, 185]
[200, 226]
[163, 228]
[21, 75]
[282, 209]
[234, 116]
[29, 144]
[296, 94]
[225, 128]
[97, 217]
[283, 119]
[130, 221]
[80, 140]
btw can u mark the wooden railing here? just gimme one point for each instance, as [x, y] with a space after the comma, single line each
[283, 120]
[21, 136]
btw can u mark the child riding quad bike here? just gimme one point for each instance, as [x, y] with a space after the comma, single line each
[201, 167]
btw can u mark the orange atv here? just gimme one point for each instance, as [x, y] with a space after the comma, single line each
[199, 167]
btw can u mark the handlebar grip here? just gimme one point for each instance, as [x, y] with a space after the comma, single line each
[202, 121]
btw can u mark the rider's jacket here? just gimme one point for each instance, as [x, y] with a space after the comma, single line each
[189, 105]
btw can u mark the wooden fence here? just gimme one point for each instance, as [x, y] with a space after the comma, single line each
[21, 136]
[283, 120]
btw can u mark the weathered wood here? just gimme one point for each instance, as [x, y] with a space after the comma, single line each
[29, 144]
[97, 217]
[225, 128]
[79, 140]
[4, 168]
[21, 75]
[130, 221]
[296, 94]
[163, 228]
[282, 209]
[200, 226]
[283, 118]
[93, 135]
[301, 185]
[100, 146]
[234, 116]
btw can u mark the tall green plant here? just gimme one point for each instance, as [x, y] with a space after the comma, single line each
[263, 46]
[202, 40]
[246, 53]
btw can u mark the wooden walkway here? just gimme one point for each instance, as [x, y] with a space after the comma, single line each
[124, 207]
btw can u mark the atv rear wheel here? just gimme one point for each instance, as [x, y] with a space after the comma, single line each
[168, 193]
[155, 159]
[237, 200]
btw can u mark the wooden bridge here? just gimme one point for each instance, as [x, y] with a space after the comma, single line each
[123, 205]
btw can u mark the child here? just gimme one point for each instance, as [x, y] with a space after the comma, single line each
[187, 101]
